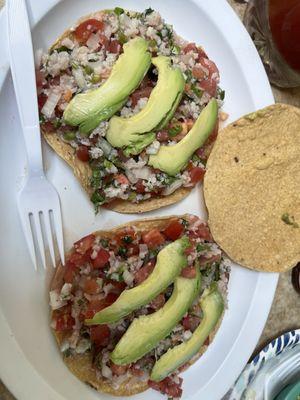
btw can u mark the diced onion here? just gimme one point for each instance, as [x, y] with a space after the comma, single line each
[51, 103]
[171, 188]
[79, 77]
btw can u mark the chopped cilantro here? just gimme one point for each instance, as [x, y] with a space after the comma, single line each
[174, 130]
[122, 37]
[152, 43]
[104, 242]
[60, 49]
[195, 158]
[122, 251]
[118, 11]
[198, 92]
[176, 49]
[184, 222]
[153, 253]
[95, 78]
[97, 199]
[188, 75]
[56, 123]
[217, 272]
[67, 353]
[96, 178]
[127, 239]
[42, 119]
[88, 70]
[221, 94]
[74, 65]
[132, 196]
[289, 220]
[201, 247]
[148, 11]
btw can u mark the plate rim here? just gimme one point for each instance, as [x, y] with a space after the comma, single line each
[266, 282]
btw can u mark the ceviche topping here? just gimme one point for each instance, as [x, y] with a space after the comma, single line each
[102, 269]
[164, 83]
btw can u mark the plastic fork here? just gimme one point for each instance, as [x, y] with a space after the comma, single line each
[38, 201]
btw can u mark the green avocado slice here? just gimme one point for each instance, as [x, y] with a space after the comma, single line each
[212, 305]
[146, 331]
[171, 159]
[90, 108]
[170, 261]
[162, 103]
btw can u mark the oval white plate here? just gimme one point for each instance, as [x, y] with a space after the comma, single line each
[30, 363]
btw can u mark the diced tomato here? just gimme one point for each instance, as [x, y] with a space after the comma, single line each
[189, 272]
[158, 302]
[100, 335]
[203, 232]
[78, 259]
[133, 250]
[83, 153]
[101, 260]
[162, 136]
[213, 136]
[173, 230]
[209, 85]
[91, 286]
[39, 78]
[140, 187]
[42, 98]
[144, 272]
[64, 322]
[168, 387]
[209, 260]
[190, 47]
[86, 28]
[136, 371]
[198, 72]
[196, 174]
[122, 179]
[211, 66]
[114, 47]
[69, 272]
[122, 156]
[190, 322]
[140, 94]
[98, 305]
[118, 288]
[104, 41]
[48, 126]
[84, 244]
[153, 238]
[118, 369]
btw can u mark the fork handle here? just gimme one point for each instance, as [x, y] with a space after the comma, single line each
[23, 75]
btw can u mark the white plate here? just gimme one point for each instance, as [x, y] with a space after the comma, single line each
[30, 363]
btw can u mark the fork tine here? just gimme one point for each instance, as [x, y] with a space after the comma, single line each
[39, 236]
[27, 230]
[49, 236]
[59, 234]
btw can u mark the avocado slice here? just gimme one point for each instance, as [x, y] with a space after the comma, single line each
[90, 108]
[146, 331]
[170, 261]
[171, 159]
[162, 103]
[212, 305]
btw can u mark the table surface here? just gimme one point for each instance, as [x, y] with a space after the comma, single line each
[284, 314]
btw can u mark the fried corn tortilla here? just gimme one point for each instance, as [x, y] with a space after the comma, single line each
[81, 365]
[251, 189]
[82, 170]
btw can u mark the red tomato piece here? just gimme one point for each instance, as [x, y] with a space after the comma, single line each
[122, 179]
[39, 78]
[83, 153]
[189, 272]
[190, 322]
[69, 272]
[91, 286]
[64, 322]
[203, 232]
[118, 369]
[167, 386]
[153, 238]
[86, 28]
[136, 371]
[84, 244]
[196, 174]
[198, 72]
[144, 272]
[98, 305]
[173, 230]
[101, 260]
[42, 98]
[140, 94]
[78, 259]
[190, 47]
[118, 288]
[114, 47]
[213, 136]
[100, 335]
[158, 302]
[140, 187]
[104, 41]
[209, 86]
[162, 136]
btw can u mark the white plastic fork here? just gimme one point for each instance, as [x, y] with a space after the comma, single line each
[38, 201]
